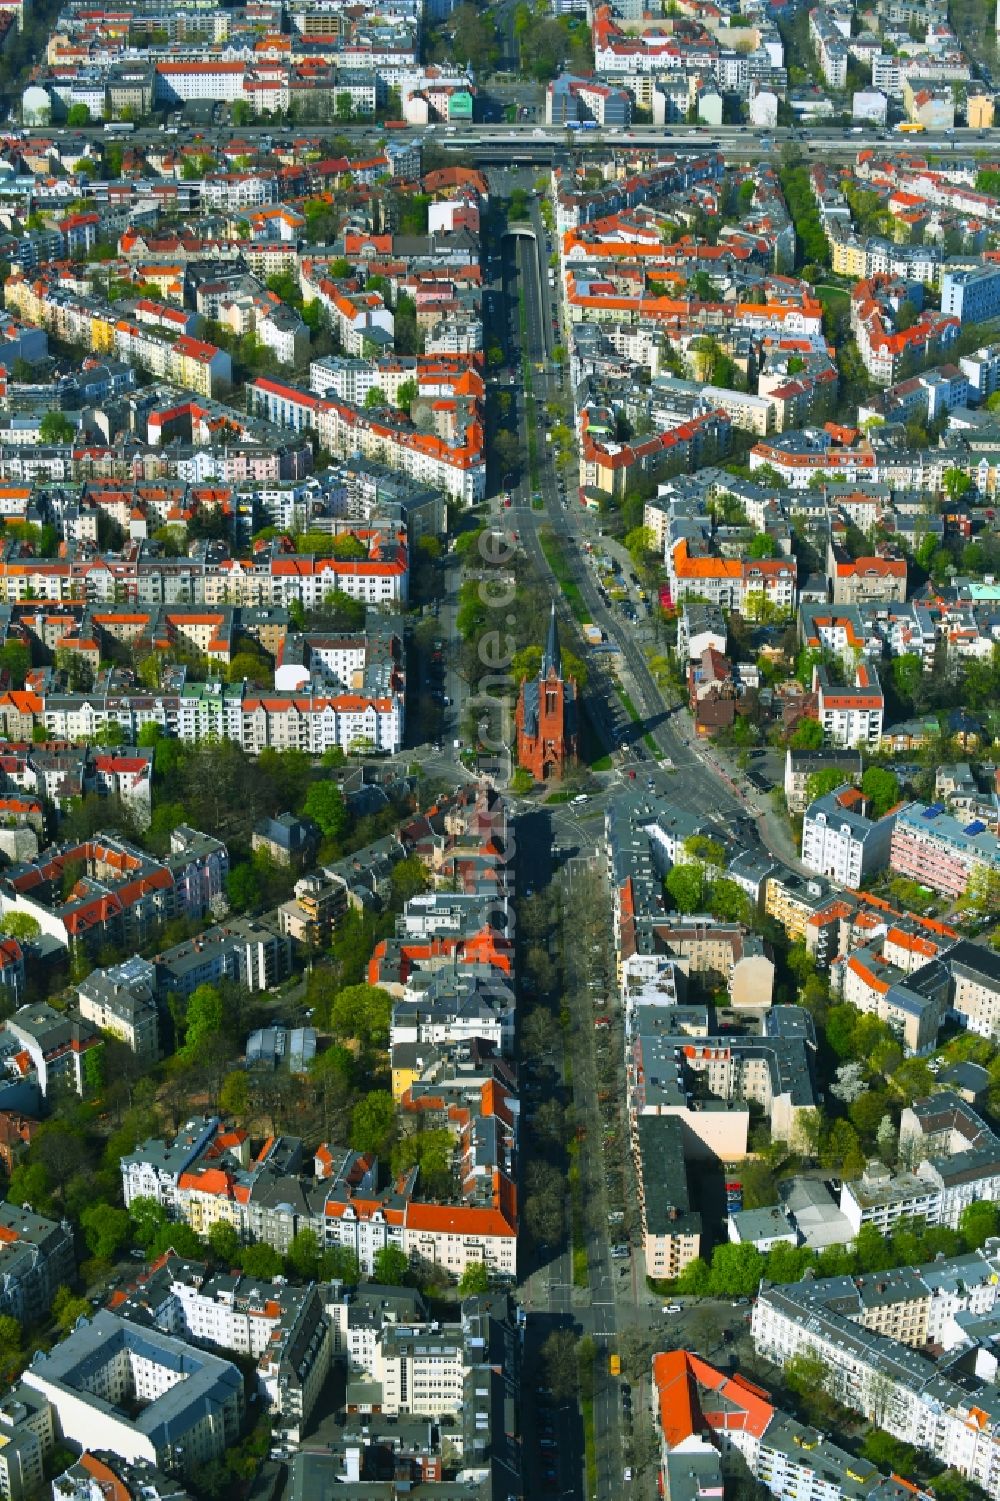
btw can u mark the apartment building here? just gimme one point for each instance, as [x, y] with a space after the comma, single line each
[121, 1000]
[800, 765]
[122, 892]
[828, 38]
[913, 1003]
[713, 1426]
[671, 1229]
[840, 841]
[851, 716]
[54, 1049]
[140, 1394]
[282, 1329]
[750, 586]
[975, 987]
[707, 1081]
[882, 1200]
[939, 851]
[855, 581]
[416, 1385]
[889, 1383]
[36, 1257]
[28, 1435]
[206, 1176]
[241, 950]
[971, 296]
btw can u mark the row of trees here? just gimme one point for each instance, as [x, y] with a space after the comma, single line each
[736, 1270]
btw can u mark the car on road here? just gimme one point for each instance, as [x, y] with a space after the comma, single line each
[581, 797]
[672, 1308]
[628, 1472]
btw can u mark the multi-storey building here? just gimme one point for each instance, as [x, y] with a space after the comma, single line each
[55, 1049]
[850, 716]
[881, 1375]
[839, 840]
[283, 1329]
[975, 987]
[121, 892]
[940, 851]
[28, 1434]
[122, 1001]
[141, 1394]
[971, 296]
[36, 1256]
[671, 1229]
[712, 1425]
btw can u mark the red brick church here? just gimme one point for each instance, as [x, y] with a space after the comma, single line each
[547, 715]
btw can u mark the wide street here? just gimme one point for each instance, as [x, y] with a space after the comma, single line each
[700, 777]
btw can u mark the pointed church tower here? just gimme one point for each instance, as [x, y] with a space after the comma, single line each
[547, 737]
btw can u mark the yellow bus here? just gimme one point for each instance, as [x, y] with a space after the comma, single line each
[616, 1365]
[911, 127]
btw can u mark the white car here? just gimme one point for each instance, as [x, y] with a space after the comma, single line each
[672, 1308]
[628, 1472]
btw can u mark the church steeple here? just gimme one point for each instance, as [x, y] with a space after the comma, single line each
[552, 656]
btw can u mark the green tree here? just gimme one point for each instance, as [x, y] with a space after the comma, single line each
[77, 115]
[807, 735]
[978, 1223]
[105, 1229]
[475, 1279]
[873, 1252]
[406, 395]
[819, 783]
[148, 1219]
[696, 1278]
[728, 902]
[983, 889]
[907, 676]
[15, 659]
[338, 1264]
[708, 851]
[373, 1122]
[178, 1238]
[262, 1261]
[325, 805]
[55, 427]
[234, 1095]
[363, 1012]
[21, 926]
[250, 667]
[303, 1255]
[641, 544]
[67, 1308]
[882, 787]
[956, 483]
[203, 1019]
[409, 877]
[243, 887]
[390, 1266]
[912, 1080]
[224, 1243]
[685, 884]
[736, 1270]
[375, 398]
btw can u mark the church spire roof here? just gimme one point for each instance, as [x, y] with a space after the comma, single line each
[552, 656]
